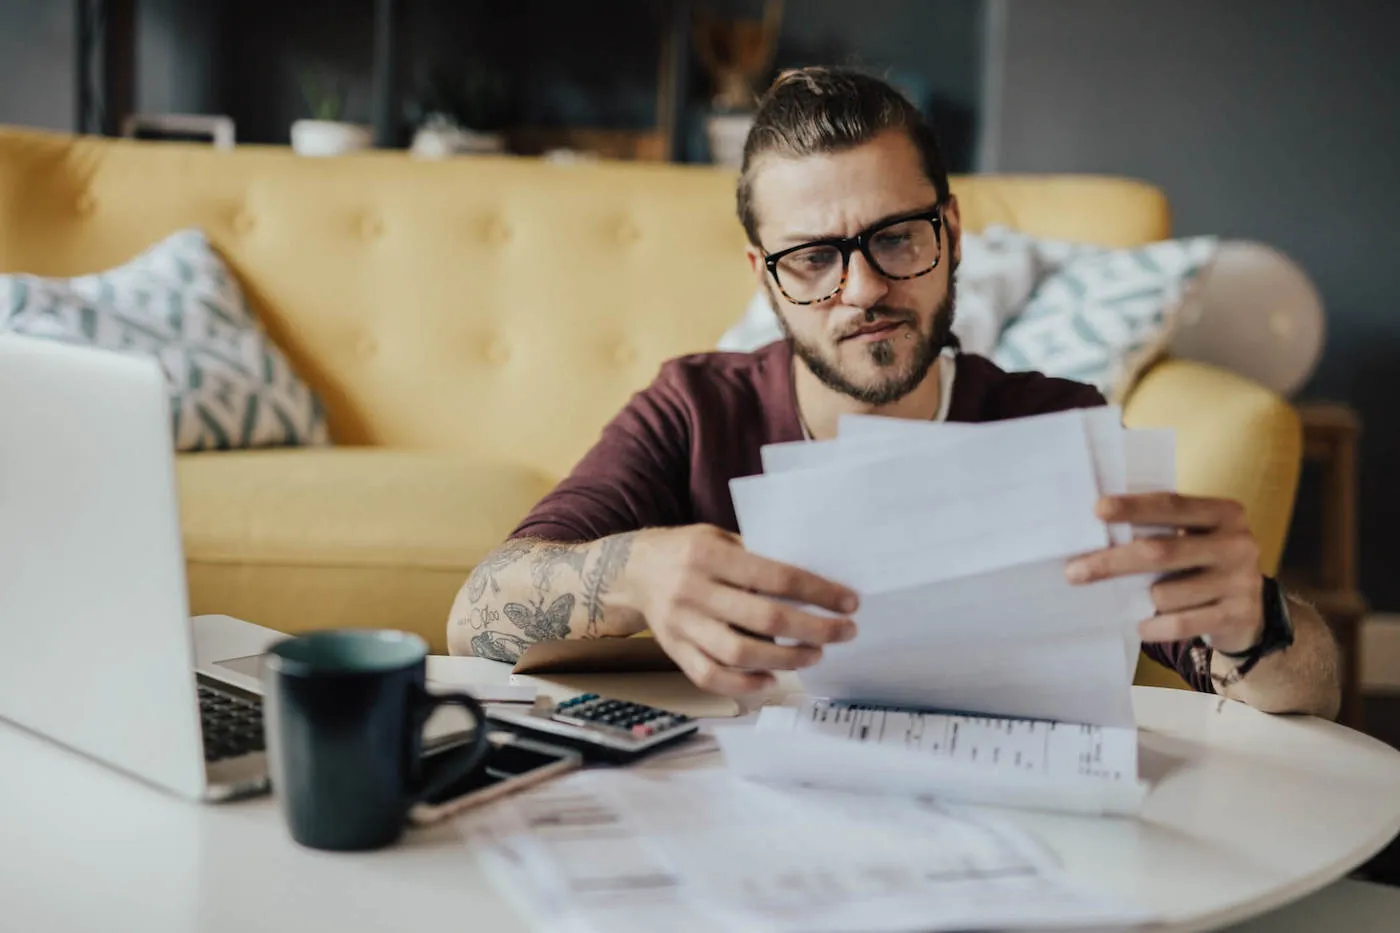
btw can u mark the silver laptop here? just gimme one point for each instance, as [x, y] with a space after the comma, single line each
[96, 647]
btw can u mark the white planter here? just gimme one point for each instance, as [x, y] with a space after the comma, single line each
[328, 138]
[726, 133]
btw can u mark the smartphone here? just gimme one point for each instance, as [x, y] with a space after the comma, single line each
[513, 764]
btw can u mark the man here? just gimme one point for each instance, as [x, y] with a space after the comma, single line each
[855, 237]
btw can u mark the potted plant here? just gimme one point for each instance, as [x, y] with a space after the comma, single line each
[326, 133]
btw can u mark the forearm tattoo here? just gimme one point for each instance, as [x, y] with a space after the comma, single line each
[562, 576]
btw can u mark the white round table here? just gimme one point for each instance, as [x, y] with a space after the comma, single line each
[1248, 812]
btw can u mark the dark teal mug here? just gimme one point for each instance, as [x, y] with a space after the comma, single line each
[344, 713]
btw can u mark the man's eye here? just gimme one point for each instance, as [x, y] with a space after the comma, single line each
[887, 240]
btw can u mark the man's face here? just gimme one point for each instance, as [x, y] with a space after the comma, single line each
[876, 339]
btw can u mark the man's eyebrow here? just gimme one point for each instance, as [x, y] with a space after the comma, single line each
[795, 239]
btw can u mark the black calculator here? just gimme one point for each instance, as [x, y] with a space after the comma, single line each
[602, 728]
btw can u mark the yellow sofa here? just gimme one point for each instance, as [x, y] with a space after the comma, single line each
[471, 324]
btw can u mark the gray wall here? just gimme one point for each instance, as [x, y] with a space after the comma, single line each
[1276, 120]
[36, 64]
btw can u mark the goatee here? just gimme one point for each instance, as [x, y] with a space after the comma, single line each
[883, 353]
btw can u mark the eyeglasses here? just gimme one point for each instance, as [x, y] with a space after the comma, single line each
[903, 247]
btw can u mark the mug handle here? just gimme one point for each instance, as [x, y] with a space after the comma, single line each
[450, 767]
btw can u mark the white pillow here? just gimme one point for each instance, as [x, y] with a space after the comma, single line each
[230, 386]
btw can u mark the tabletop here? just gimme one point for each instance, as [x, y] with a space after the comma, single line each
[1247, 812]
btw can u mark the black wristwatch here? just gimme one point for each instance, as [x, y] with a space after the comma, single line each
[1276, 635]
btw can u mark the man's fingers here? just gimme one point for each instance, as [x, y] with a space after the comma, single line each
[1214, 620]
[708, 674]
[1195, 588]
[1195, 513]
[743, 569]
[734, 649]
[767, 616]
[1164, 554]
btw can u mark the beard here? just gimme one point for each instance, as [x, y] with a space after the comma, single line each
[895, 382]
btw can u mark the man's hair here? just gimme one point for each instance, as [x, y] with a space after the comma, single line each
[819, 110]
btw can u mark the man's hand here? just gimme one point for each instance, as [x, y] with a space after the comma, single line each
[1213, 582]
[715, 608]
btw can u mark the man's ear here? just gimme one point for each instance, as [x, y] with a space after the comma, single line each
[953, 221]
[756, 264]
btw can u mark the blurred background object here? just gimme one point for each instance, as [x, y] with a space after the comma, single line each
[1256, 312]
[737, 55]
[325, 133]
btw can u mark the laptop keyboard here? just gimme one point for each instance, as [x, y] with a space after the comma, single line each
[233, 725]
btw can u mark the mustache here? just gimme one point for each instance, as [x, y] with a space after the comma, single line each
[879, 314]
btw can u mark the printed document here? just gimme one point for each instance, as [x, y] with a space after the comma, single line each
[624, 851]
[1036, 764]
[956, 536]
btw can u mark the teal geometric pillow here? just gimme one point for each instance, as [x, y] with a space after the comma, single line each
[1104, 313]
[230, 386]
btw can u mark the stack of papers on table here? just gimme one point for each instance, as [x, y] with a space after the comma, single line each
[956, 537]
[623, 851]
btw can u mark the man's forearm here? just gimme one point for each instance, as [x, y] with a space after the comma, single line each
[1300, 679]
[529, 590]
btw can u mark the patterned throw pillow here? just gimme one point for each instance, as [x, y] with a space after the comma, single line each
[230, 386]
[1105, 314]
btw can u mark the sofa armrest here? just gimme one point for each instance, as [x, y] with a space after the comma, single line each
[1235, 440]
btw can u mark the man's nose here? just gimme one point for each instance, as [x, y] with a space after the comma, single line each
[865, 287]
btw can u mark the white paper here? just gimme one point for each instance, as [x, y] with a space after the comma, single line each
[981, 759]
[1081, 677]
[643, 851]
[956, 537]
[448, 672]
[788, 759]
[983, 509]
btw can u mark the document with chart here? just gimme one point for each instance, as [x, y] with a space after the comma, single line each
[956, 537]
[624, 851]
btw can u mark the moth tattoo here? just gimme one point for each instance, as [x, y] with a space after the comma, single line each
[542, 624]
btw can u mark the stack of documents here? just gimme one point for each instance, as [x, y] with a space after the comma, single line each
[956, 536]
[623, 851]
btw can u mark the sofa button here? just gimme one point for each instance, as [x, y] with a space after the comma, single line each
[497, 351]
[243, 223]
[371, 227]
[86, 204]
[496, 231]
[627, 231]
[623, 354]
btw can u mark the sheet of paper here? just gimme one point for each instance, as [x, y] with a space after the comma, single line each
[1033, 747]
[1013, 638]
[989, 507]
[781, 757]
[631, 851]
[893, 661]
[446, 672]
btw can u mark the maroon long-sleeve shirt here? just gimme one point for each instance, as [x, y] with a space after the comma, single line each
[667, 458]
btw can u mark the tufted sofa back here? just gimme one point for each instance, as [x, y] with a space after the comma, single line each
[494, 306]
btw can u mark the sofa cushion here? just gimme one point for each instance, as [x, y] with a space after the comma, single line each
[230, 386]
[343, 537]
[1105, 314]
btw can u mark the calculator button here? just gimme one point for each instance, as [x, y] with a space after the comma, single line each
[641, 731]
